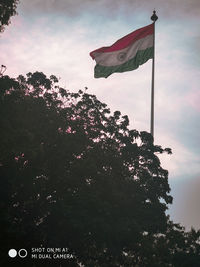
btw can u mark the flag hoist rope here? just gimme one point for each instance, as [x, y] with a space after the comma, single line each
[154, 18]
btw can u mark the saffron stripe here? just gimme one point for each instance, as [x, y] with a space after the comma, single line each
[126, 40]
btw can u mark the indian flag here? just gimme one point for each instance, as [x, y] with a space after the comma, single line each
[126, 54]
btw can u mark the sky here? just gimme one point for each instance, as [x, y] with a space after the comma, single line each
[56, 37]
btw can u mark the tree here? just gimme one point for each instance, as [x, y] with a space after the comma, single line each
[181, 247]
[74, 175]
[7, 10]
[175, 247]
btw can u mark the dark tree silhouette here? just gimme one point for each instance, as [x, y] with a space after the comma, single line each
[175, 247]
[73, 175]
[7, 10]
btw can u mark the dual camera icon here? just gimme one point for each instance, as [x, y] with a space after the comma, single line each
[22, 253]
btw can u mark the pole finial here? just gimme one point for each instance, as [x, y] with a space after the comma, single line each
[154, 17]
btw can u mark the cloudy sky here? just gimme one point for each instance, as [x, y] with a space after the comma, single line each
[56, 36]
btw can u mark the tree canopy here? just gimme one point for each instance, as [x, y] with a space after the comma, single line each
[74, 175]
[7, 10]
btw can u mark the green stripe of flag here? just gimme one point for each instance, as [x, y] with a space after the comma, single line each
[140, 58]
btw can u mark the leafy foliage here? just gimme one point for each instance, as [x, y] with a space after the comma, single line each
[73, 175]
[175, 247]
[7, 10]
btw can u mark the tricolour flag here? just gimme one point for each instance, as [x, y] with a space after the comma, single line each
[126, 54]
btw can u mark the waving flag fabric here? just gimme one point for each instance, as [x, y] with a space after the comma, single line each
[126, 54]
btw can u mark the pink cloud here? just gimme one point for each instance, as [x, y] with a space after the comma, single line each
[193, 99]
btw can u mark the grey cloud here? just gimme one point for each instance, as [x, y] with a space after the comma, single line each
[170, 8]
[185, 207]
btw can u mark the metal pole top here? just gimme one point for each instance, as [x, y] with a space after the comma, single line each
[154, 17]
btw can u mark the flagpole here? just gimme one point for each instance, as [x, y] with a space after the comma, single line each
[154, 18]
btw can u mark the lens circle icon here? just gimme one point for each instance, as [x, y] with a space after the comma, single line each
[22, 253]
[12, 253]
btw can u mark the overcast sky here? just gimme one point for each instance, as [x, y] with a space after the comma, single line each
[56, 37]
